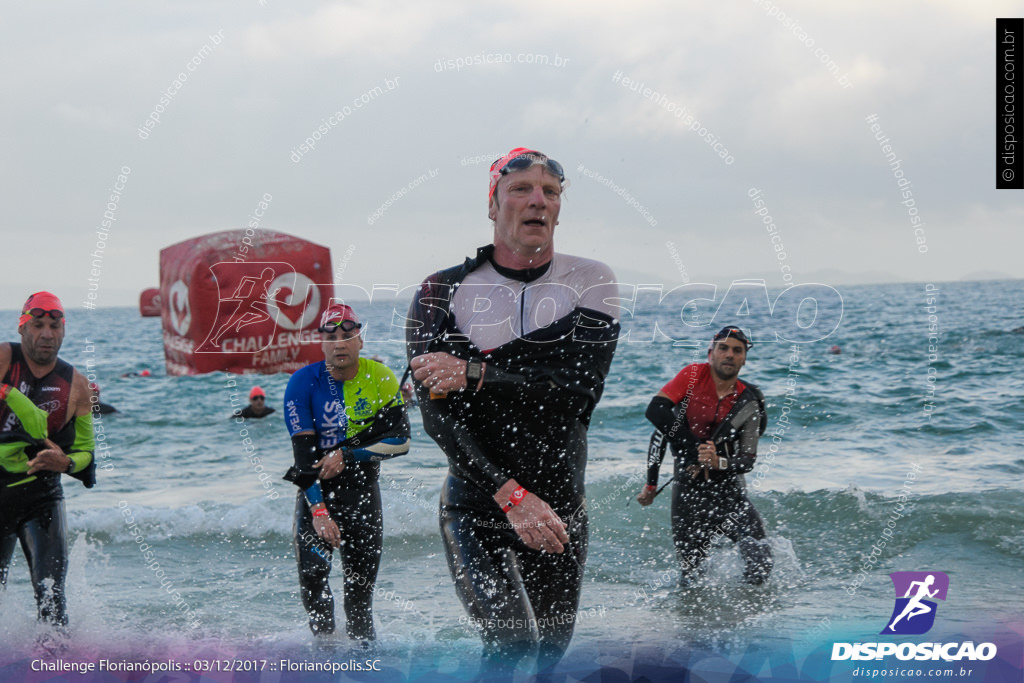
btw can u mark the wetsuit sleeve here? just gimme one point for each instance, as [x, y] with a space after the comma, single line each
[298, 403]
[542, 386]
[314, 494]
[662, 413]
[655, 454]
[32, 418]
[386, 438]
[452, 436]
[745, 445]
[427, 317]
[84, 446]
[305, 453]
[302, 428]
[427, 321]
[736, 437]
[76, 438]
[567, 379]
[567, 376]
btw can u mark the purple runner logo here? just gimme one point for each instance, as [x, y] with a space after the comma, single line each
[913, 614]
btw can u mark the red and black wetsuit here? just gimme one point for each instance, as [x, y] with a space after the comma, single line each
[33, 512]
[716, 504]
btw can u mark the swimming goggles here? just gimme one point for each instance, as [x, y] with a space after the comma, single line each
[525, 161]
[344, 325]
[55, 313]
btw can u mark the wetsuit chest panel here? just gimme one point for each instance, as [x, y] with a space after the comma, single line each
[51, 392]
[704, 411]
[493, 309]
[336, 410]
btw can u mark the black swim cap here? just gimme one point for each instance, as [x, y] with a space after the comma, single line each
[734, 332]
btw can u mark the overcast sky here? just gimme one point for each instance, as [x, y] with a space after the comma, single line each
[80, 80]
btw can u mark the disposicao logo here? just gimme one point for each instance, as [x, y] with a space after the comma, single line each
[912, 615]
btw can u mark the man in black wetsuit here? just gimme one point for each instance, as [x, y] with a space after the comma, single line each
[31, 497]
[712, 420]
[257, 407]
[509, 353]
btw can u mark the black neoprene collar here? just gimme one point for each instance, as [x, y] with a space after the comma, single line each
[525, 275]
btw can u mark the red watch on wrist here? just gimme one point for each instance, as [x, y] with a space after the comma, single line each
[650, 487]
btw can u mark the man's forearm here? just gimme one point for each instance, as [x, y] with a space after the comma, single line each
[655, 454]
[662, 414]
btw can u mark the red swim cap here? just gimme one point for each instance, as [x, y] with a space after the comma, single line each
[257, 391]
[337, 313]
[499, 165]
[43, 300]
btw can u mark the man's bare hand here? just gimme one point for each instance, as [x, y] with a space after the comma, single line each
[327, 529]
[647, 496]
[440, 372]
[538, 525]
[707, 455]
[331, 465]
[534, 521]
[50, 459]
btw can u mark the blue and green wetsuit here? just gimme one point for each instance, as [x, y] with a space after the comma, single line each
[365, 418]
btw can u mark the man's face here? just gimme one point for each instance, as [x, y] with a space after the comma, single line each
[41, 339]
[258, 403]
[525, 217]
[726, 357]
[341, 349]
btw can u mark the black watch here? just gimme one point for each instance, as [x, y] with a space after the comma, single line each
[474, 371]
[71, 467]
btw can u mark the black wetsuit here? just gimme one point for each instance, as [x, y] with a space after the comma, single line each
[33, 512]
[528, 423]
[357, 512]
[705, 508]
[249, 412]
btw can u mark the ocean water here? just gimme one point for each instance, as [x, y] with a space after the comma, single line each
[885, 418]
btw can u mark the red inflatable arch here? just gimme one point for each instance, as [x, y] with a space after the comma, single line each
[243, 301]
